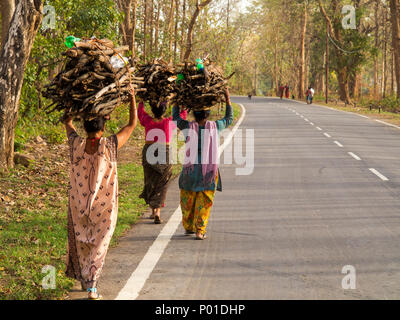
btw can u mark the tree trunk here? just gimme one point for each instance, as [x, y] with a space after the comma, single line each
[384, 62]
[7, 8]
[189, 38]
[302, 53]
[128, 26]
[343, 80]
[183, 28]
[375, 90]
[392, 76]
[145, 31]
[276, 65]
[14, 55]
[151, 17]
[176, 29]
[170, 27]
[394, 9]
[157, 31]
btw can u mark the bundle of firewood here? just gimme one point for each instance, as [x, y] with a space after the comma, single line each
[88, 85]
[159, 81]
[198, 89]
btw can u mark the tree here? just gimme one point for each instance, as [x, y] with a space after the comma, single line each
[128, 26]
[14, 55]
[350, 48]
[189, 39]
[302, 52]
[394, 10]
[7, 8]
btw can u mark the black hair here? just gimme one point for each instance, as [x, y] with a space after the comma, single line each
[158, 111]
[94, 125]
[201, 115]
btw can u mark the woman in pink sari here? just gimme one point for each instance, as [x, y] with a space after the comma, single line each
[93, 197]
[156, 175]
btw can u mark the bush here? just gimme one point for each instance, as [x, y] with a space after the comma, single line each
[391, 104]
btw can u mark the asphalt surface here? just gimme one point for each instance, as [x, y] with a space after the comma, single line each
[324, 194]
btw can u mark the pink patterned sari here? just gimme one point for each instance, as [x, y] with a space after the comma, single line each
[93, 207]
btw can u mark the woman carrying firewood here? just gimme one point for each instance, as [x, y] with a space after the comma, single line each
[158, 173]
[200, 176]
[93, 197]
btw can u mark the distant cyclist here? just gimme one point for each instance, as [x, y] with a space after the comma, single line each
[310, 95]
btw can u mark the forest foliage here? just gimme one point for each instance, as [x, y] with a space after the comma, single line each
[266, 43]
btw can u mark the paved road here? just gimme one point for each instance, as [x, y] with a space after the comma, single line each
[311, 207]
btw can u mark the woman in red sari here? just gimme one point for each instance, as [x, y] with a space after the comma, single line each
[287, 91]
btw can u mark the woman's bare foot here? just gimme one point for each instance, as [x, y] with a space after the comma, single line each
[200, 236]
[93, 294]
[157, 218]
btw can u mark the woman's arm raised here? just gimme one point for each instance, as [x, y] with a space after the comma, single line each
[69, 126]
[124, 134]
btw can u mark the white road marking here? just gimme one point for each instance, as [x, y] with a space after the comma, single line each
[311, 123]
[339, 144]
[380, 175]
[138, 278]
[388, 124]
[327, 135]
[355, 156]
[318, 128]
[307, 120]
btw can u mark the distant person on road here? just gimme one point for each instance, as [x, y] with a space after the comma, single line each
[281, 91]
[93, 197]
[200, 176]
[156, 175]
[310, 95]
[287, 91]
[249, 95]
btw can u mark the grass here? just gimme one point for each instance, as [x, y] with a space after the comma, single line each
[33, 214]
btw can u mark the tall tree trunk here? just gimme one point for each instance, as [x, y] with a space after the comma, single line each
[145, 17]
[157, 31]
[394, 10]
[176, 29]
[183, 29]
[132, 31]
[302, 53]
[189, 39]
[128, 26]
[13, 56]
[343, 79]
[151, 23]
[170, 27]
[276, 64]
[375, 89]
[392, 77]
[384, 62]
[7, 8]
